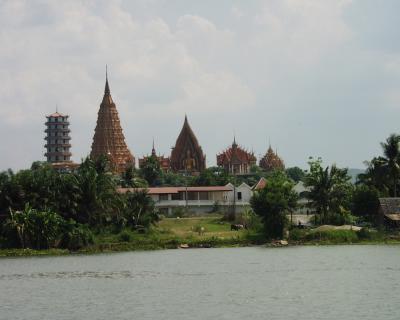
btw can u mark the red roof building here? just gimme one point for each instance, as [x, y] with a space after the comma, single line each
[236, 160]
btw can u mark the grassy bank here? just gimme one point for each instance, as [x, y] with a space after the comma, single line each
[206, 232]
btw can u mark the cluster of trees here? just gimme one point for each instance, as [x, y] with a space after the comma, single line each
[71, 203]
[332, 196]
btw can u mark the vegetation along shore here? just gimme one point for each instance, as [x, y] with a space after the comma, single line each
[47, 212]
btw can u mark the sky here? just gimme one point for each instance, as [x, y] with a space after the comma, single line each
[311, 77]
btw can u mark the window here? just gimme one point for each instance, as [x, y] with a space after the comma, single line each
[239, 196]
[204, 196]
[163, 197]
[177, 196]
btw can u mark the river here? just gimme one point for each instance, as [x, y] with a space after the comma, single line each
[327, 282]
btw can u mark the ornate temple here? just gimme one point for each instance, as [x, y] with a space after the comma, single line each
[108, 137]
[187, 155]
[164, 161]
[271, 161]
[236, 160]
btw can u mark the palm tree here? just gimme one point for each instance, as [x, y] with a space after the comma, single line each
[329, 187]
[391, 152]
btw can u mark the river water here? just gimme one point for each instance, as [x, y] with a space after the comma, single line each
[332, 282]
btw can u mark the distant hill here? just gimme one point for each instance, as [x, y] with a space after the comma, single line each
[353, 173]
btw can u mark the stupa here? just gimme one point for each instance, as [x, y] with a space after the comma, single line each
[271, 161]
[187, 156]
[108, 137]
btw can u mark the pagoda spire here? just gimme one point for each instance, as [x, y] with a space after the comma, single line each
[107, 87]
[153, 150]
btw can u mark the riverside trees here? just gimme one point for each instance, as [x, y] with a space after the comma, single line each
[87, 196]
[273, 202]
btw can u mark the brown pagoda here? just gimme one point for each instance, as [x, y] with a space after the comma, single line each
[236, 160]
[108, 137]
[187, 156]
[271, 161]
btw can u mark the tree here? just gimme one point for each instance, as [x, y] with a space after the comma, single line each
[151, 170]
[365, 201]
[213, 176]
[391, 152]
[330, 188]
[99, 198]
[35, 229]
[295, 173]
[140, 209]
[273, 203]
[131, 179]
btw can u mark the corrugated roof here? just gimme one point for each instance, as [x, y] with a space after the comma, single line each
[172, 190]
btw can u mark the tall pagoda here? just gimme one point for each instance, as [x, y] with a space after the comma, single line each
[108, 137]
[236, 160]
[187, 155]
[271, 161]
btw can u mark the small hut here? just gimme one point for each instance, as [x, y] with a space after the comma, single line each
[389, 209]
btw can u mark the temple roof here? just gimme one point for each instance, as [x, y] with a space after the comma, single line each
[271, 161]
[56, 115]
[235, 152]
[185, 142]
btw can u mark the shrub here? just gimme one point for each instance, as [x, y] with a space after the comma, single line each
[334, 236]
[125, 236]
[76, 236]
[297, 234]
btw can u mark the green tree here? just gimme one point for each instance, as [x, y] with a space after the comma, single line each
[295, 173]
[99, 199]
[273, 203]
[391, 160]
[151, 170]
[330, 188]
[35, 229]
[132, 179]
[365, 201]
[139, 209]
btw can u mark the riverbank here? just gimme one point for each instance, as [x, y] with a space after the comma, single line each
[206, 232]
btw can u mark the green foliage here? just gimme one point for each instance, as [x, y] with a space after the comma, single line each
[125, 236]
[139, 209]
[295, 173]
[365, 201]
[249, 219]
[330, 188]
[33, 229]
[151, 170]
[213, 176]
[333, 236]
[131, 179]
[273, 202]
[336, 218]
[75, 236]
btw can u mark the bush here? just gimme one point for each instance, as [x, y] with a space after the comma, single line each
[297, 234]
[334, 236]
[125, 236]
[76, 236]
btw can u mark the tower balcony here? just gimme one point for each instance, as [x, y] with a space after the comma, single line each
[58, 153]
[64, 145]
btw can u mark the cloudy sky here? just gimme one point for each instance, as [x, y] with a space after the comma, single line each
[316, 78]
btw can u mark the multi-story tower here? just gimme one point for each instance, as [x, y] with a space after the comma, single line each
[57, 138]
[108, 139]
